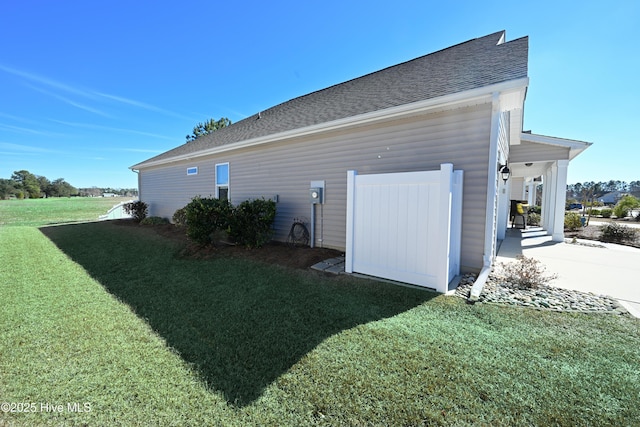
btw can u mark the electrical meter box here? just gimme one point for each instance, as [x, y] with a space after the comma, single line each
[315, 195]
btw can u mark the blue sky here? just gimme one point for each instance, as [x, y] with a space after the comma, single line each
[88, 89]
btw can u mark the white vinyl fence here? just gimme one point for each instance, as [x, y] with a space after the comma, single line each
[405, 226]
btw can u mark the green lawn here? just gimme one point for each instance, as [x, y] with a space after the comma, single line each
[109, 315]
[55, 210]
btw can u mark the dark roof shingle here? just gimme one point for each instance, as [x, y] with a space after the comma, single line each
[473, 64]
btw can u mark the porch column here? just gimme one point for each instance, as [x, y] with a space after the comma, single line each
[546, 200]
[531, 199]
[559, 169]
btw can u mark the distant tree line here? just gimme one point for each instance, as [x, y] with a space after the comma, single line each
[588, 192]
[107, 191]
[25, 185]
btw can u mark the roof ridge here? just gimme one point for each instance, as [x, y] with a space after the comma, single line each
[502, 33]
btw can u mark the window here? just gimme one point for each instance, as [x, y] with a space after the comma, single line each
[222, 181]
[192, 171]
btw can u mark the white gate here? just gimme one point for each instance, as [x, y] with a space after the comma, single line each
[405, 226]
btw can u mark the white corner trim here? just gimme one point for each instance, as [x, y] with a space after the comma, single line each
[492, 177]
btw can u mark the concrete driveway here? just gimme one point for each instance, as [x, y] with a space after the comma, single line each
[609, 269]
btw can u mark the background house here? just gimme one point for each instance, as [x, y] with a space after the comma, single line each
[462, 106]
[612, 198]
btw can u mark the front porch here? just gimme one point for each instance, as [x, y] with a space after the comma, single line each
[538, 160]
[516, 241]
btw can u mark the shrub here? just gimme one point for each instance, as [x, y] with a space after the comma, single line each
[535, 209]
[138, 210]
[251, 223]
[526, 273]
[625, 205]
[154, 220]
[617, 233]
[533, 219]
[606, 213]
[204, 216]
[179, 217]
[620, 211]
[572, 221]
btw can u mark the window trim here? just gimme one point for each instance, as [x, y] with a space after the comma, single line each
[192, 170]
[223, 186]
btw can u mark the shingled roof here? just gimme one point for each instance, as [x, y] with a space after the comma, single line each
[473, 64]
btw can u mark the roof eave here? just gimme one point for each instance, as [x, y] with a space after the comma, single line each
[575, 147]
[469, 97]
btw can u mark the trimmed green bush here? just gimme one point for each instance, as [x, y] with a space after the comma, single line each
[625, 205]
[154, 220]
[251, 223]
[179, 217]
[620, 211]
[138, 210]
[572, 221]
[606, 213]
[205, 216]
[617, 233]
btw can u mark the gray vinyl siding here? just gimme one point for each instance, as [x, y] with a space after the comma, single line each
[285, 169]
[536, 152]
[166, 189]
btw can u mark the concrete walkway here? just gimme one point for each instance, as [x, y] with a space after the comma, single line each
[609, 269]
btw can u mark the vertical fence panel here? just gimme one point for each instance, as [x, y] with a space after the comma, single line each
[400, 225]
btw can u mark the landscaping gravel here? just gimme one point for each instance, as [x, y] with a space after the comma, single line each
[498, 291]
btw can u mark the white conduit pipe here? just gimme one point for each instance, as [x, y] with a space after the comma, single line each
[313, 226]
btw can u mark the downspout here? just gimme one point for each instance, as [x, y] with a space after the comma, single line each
[492, 188]
[137, 172]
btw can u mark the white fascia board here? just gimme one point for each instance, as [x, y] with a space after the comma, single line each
[575, 147]
[459, 99]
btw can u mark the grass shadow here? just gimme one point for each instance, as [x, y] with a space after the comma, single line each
[241, 323]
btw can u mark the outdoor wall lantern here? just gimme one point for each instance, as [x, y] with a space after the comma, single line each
[504, 171]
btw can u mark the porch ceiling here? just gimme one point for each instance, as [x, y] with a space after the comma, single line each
[574, 147]
[536, 153]
[521, 170]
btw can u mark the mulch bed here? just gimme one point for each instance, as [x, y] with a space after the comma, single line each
[299, 257]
